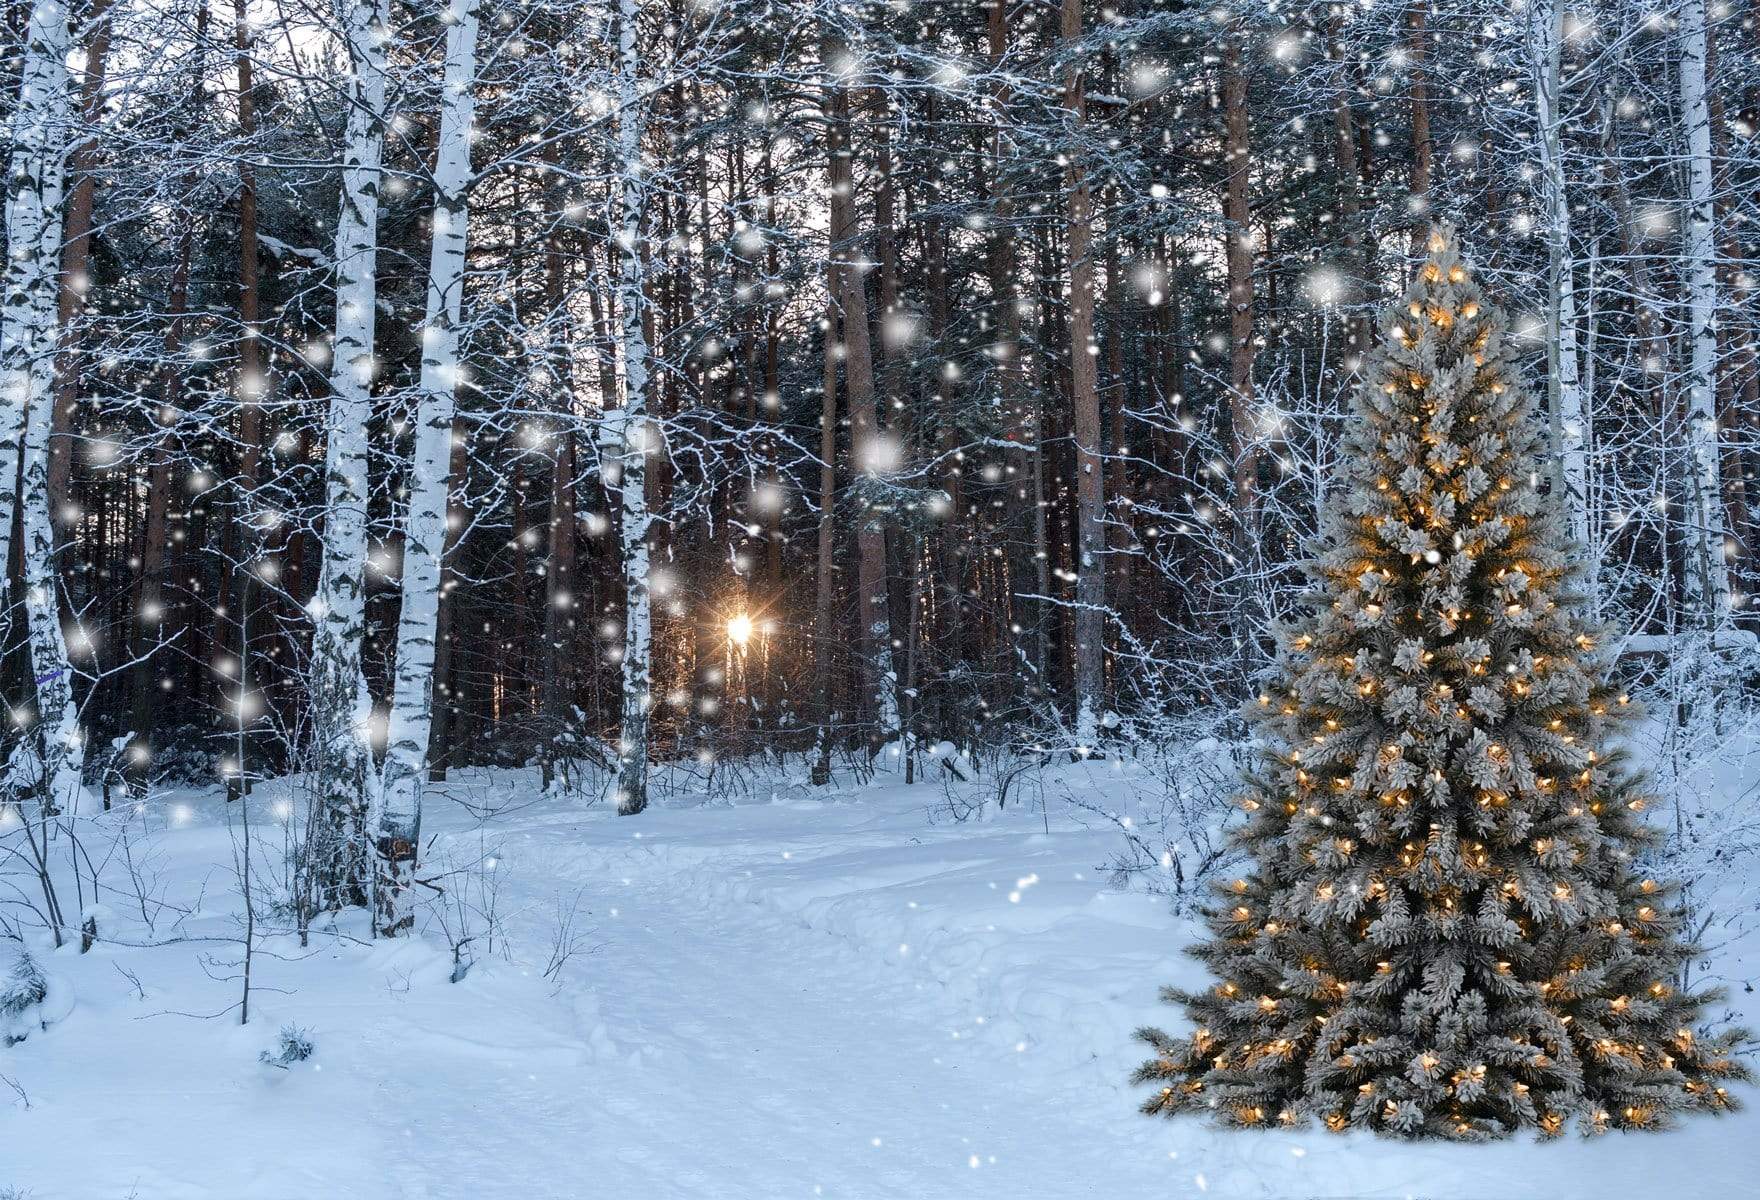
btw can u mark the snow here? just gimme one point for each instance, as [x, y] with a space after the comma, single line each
[786, 992]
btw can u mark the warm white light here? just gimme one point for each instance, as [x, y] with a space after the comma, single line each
[739, 629]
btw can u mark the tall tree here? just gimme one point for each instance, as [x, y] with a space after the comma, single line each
[397, 829]
[1084, 358]
[1239, 253]
[873, 452]
[42, 126]
[1423, 153]
[825, 573]
[342, 706]
[633, 431]
[76, 254]
[252, 384]
[1566, 404]
[1707, 570]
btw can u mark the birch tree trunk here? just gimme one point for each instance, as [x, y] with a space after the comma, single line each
[1567, 407]
[397, 830]
[35, 176]
[629, 427]
[29, 330]
[1707, 574]
[342, 706]
[445, 689]
[1085, 403]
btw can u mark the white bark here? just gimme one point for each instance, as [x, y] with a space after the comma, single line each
[342, 705]
[1707, 575]
[630, 430]
[35, 179]
[35, 192]
[397, 827]
[1567, 405]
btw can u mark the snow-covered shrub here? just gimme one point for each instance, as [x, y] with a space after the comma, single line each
[23, 988]
[184, 755]
[1186, 815]
[292, 1045]
[1169, 805]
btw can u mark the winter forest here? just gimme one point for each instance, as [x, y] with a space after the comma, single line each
[879, 598]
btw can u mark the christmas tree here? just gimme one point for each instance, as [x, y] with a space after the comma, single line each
[1448, 932]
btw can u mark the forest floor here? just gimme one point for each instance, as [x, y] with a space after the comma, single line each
[793, 993]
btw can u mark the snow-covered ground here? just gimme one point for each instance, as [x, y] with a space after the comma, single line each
[797, 993]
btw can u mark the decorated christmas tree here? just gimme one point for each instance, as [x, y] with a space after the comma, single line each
[1448, 931]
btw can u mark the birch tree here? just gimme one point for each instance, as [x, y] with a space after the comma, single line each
[36, 179]
[1566, 403]
[629, 428]
[397, 828]
[342, 706]
[1707, 571]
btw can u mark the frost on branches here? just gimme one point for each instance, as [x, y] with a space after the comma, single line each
[1446, 934]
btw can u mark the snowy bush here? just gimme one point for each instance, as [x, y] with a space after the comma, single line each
[292, 1045]
[23, 988]
[1169, 809]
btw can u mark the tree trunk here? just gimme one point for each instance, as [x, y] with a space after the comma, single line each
[76, 258]
[559, 567]
[1085, 409]
[445, 702]
[1423, 156]
[1350, 185]
[867, 445]
[1566, 404]
[342, 706]
[1707, 590]
[825, 573]
[1239, 232]
[397, 831]
[35, 209]
[252, 382]
[956, 530]
[149, 624]
[633, 431]
[1020, 407]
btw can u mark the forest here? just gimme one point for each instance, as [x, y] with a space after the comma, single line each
[463, 456]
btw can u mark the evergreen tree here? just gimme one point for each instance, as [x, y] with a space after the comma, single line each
[1447, 933]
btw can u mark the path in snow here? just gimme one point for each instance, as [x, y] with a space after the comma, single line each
[745, 1054]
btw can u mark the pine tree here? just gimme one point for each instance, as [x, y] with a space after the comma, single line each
[1448, 932]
